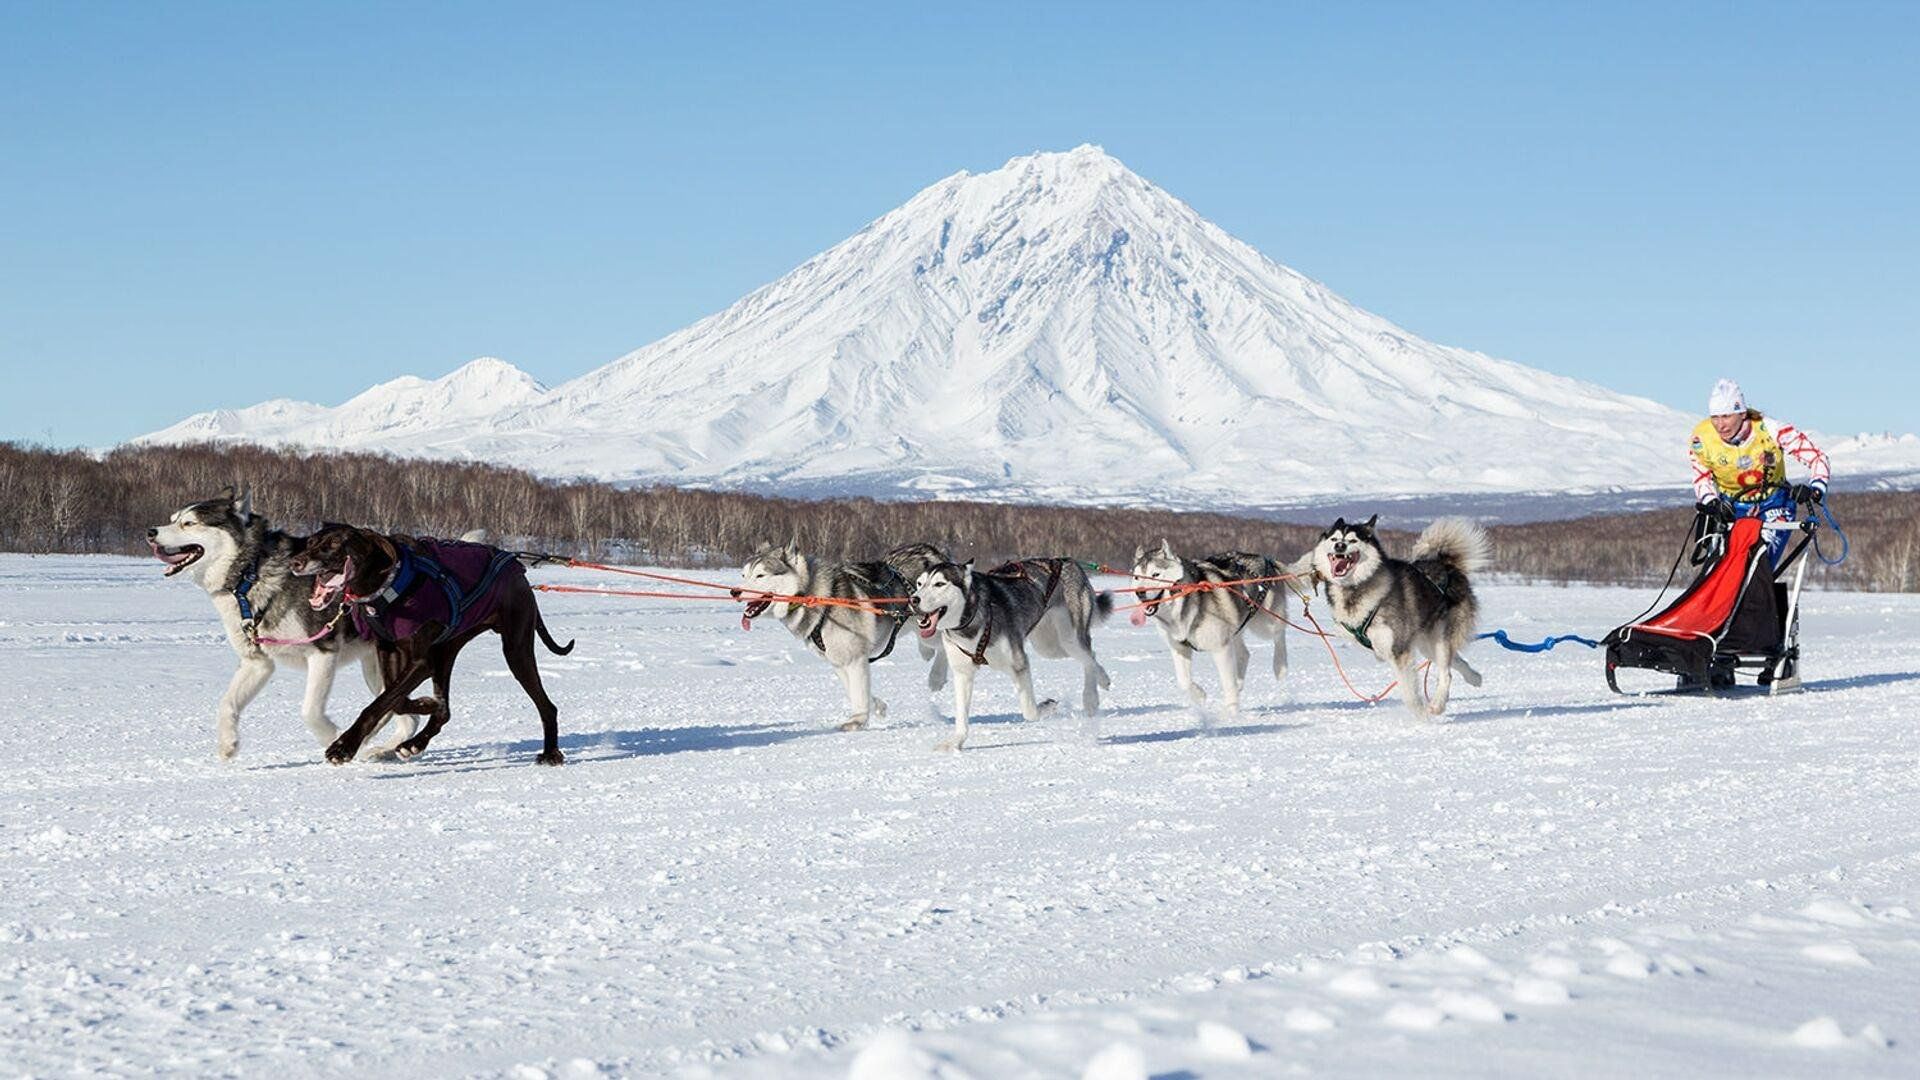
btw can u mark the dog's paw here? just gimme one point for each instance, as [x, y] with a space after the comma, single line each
[879, 707]
[1047, 707]
[340, 755]
[385, 753]
[1196, 693]
[228, 749]
[858, 723]
[551, 757]
[950, 746]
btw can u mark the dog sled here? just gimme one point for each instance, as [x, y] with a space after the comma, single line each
[1740, 616]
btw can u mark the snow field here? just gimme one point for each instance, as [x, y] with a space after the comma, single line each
[718, 884]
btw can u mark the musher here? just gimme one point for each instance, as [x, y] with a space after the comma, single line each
[1740, 464]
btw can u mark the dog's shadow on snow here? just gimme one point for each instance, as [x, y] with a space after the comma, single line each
[1218, 731]
[1235, 726]
[1528, 712]
[599, 747]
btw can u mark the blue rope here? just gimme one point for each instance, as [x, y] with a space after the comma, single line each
[1825, 512]
[1500, 638]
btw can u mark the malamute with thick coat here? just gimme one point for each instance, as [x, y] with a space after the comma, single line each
[1402, 609]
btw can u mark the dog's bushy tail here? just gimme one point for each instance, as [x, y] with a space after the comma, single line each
[1456, 542]
[1102, 606]
[540, 624]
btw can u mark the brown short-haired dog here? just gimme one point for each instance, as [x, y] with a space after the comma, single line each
[422, 600]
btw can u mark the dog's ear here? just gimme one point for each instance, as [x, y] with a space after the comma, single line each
[1166, 548]
[1338, 524]
[245, 507]
[966, 574]
[1139, 554]
[1371, 522]
[793, 547]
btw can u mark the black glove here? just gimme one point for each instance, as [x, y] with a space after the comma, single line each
[1809, 493]
[1718, 509]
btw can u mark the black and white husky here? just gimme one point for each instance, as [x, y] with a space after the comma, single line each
[245, 567]
[986, 619]
[1403, 608]
[848, 638]
[1215, 621]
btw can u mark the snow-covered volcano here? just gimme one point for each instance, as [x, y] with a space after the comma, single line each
[1056, 329]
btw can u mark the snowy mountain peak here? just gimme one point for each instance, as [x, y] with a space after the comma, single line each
[491, 370]
[406, 408]
[1058, 328]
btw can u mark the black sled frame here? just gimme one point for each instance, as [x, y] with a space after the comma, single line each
[1759, 635]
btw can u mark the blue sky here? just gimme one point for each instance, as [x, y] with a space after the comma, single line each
[208, 205]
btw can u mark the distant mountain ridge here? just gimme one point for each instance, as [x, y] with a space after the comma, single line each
[1058, 329]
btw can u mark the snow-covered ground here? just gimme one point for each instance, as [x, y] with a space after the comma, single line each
[1555, 882]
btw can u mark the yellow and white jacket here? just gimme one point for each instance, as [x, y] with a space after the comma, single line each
[1753, 466]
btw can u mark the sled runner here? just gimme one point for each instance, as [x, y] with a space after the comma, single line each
[1740, 615]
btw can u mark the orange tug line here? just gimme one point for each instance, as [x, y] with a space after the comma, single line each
[872, 605]
[875, 605]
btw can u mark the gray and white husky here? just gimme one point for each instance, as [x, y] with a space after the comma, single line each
[848, 638]
[1403, 608]
[986, 619]
[1216, 621]
[244, 565]
[910, 561]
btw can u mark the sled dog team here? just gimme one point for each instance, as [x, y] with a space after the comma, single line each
[403, 607]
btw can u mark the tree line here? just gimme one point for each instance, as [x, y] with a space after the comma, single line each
[75, 501]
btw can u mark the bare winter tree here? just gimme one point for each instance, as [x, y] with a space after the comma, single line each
[72, 501]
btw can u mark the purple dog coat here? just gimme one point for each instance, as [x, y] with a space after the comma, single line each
[451, 583]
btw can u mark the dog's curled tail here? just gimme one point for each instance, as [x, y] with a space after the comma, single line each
[540, 624]
[1460, 544]
[1102, 606]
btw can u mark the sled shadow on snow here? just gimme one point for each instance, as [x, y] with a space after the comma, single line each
[1857, 682]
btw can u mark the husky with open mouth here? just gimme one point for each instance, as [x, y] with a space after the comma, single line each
[987, 618]
[910, 561]
[245, 566]
[1401, 609]
[1216, 620]
[849, 637]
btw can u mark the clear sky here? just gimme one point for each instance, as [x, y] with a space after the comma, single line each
[208, 205]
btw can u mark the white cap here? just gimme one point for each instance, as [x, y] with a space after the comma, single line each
[1726, 398]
